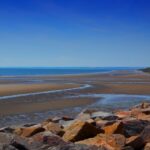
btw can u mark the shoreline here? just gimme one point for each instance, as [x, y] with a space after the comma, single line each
[54, 93]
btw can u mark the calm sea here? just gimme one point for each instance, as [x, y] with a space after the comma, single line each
[59, 71]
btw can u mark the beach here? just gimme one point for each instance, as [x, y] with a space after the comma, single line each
[34, 94]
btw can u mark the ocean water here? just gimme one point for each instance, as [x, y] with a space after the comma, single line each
[59, 70]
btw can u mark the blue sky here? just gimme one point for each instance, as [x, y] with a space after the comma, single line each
[74, 33]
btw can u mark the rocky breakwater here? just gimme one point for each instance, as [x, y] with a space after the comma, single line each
[90, 130]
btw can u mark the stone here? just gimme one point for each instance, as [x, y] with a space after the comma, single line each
[116, 128]
[48, 138]
[29, 131]
[79, 131]
[83, 116]
[6, 137]
[133, 141]
[108, 142]
[102, 123]
[147, 146]
[72, 146]
[65, 124]
[141, 140]
[54, 128]
[103, 115]
[123, 114]
[7, 130]
[7, 147]
[134, 127]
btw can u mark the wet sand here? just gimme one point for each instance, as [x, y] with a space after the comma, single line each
[119, 82]
[32, 107]
[11, 89]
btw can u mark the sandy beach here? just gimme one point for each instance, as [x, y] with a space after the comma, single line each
[122, 82]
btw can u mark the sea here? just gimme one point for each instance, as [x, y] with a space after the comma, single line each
[27, 71]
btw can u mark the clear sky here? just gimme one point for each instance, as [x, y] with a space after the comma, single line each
[74, 33]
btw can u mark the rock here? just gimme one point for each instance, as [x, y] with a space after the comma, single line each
[146, 111]
[47, 138]
[79, 131]
[6, 137]
[54, 128]
[103, 115]
[123, 114]
[142, 105]
[67, 118]
[83, 116]
[116, 128]
[74, 147]
[56, 119]
[134, 127]
[7, 130]
[29, 131]
[133, 141]
[127, 148]
[145, 135]
[91, 121]
[108, 142]
[18, 145]
[147, 146]
[7, 147]
[101, 123]
[65, 124]
[141, 140]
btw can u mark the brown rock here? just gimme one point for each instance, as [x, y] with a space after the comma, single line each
[147, 146]
[116, 128]
[54, 128]
[109, 142]
[79, 131]
[133, 141]
[123, 114]
[29, 131]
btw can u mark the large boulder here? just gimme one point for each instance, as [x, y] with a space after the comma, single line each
[108, 142]
[141, 140]
[79, 131]
[133, 127]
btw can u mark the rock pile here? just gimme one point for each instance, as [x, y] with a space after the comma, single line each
[90, 130]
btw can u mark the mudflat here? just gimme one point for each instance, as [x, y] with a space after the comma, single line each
[119, 82]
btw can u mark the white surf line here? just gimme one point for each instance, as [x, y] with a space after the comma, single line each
[44, 92]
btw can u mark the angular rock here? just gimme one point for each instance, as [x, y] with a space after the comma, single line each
[29, 131]
[79, 131]
[134, 127]
[116, 128]
[108, 142]
[54, 128]
[47, 138]
[133, 141]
